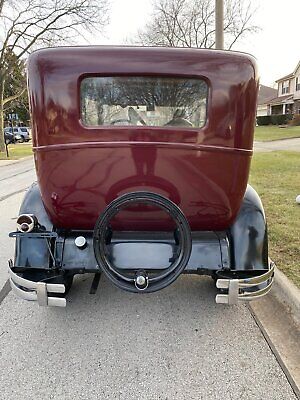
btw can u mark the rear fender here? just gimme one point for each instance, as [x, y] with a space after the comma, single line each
[248, 235]
[32, 252]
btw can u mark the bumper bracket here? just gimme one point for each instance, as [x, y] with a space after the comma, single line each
[242, 289]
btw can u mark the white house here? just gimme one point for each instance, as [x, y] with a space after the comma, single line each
[288, 94]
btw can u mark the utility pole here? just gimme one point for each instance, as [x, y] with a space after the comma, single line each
[219, 12]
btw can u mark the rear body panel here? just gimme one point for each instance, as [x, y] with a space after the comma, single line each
[82, 169]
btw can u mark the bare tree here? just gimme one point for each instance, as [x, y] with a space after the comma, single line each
[28, 24]
[191, 23]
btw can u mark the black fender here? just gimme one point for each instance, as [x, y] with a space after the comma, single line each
[248, 235]
[33, 204]
[32, 252]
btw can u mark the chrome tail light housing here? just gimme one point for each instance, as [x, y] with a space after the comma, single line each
[26, 222]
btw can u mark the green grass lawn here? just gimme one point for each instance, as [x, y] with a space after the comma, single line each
[17, 151]
[272, 132]
[276, 177]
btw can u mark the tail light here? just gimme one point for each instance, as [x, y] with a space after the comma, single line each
[26, 222]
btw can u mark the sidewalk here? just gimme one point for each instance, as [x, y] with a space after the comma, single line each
[275, 145]
[4, 163]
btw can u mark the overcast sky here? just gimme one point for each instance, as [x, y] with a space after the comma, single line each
[276, 46]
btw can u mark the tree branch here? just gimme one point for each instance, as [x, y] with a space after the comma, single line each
[190, 23]
[14, 97]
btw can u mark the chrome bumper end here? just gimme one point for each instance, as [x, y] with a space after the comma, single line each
[36, 291]
[237, 288]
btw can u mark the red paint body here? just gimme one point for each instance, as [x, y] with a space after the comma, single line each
[80, 170]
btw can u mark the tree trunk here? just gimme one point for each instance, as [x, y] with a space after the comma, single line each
[2, 140]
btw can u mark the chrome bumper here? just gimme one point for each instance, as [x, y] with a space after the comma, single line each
[237, 288]
[36, 291]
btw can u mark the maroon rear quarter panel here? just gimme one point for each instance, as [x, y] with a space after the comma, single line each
[82, 169]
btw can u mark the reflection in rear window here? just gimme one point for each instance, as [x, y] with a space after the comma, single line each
[149, 101]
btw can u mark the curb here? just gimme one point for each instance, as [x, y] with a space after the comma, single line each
[278, 317]
[4, 163]
[288, 294]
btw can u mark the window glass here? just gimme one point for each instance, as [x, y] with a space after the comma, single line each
[285, 87]
[148, 101]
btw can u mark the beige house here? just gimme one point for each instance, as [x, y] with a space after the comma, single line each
[287, 100]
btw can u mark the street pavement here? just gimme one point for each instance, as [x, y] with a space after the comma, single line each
[9, 209]
[173, 344]
[16, 177]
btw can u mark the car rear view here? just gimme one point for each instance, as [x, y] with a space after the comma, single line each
[142, 158]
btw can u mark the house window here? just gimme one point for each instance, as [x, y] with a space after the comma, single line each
[285, 87]
[298, 83]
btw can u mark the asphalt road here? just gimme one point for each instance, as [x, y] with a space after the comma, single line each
[174, 344]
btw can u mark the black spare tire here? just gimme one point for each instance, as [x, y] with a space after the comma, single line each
[140, 281]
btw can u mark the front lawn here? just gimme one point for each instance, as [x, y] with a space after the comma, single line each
[276, 177]
[273, 132]
[17, 151]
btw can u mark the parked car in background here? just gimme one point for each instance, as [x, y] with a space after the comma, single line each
[21, 133]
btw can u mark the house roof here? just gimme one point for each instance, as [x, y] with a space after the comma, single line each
[265, 94]
[285, 77]
[281, 99]
[291, 75]
[296, 69]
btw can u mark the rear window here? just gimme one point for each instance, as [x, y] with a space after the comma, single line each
[148, 101]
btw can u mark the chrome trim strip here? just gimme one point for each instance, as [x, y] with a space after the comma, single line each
[258, 293]
[30, 296]
[127, 144]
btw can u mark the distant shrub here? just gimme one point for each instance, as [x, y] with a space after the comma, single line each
[274, 119]
[280, 119]
[263, 120]
[295, 121]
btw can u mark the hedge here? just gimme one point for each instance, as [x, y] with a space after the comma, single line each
[276, 119]
[263, 120]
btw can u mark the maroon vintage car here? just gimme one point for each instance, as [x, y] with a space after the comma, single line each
[142, 158]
